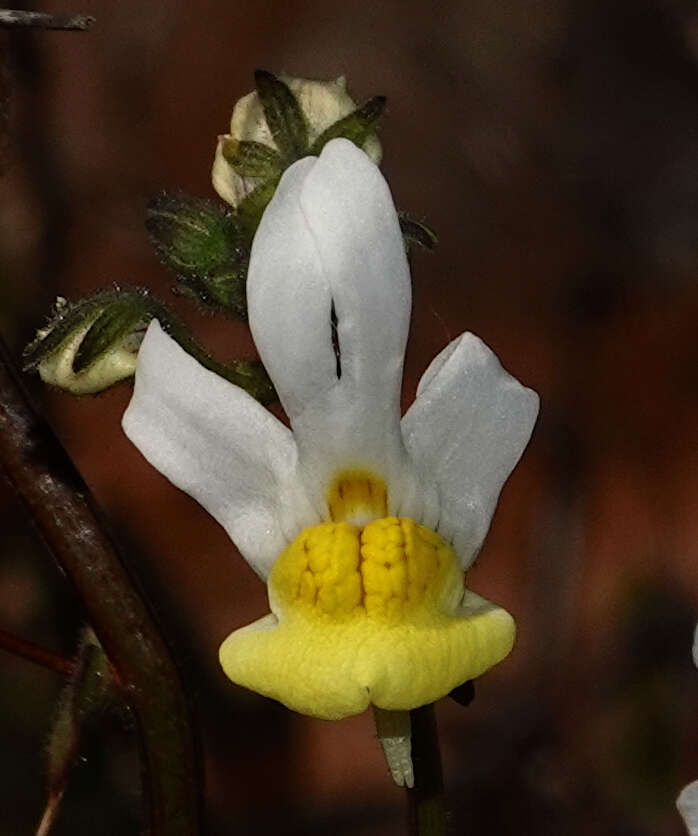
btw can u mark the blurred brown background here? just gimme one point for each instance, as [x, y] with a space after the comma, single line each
[554, 147]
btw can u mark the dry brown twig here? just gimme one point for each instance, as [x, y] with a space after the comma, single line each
[42, 20]
[62, 510]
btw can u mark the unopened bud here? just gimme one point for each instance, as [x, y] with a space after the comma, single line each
[90, 345]
[288, 117]
[205, 246]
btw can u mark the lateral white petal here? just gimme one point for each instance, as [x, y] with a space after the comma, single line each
[330, 239]
[216, 443]
[467, 429]
[687, 804]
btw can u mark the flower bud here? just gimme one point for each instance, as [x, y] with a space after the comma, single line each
[88, 346]
[320, 104]
[113, 366]
[204, 245]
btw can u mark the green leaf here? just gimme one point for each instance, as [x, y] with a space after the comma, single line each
[252, 159]
[356, 126]
[89, 694]
[415, 232]
[251, 209]
[284, 116]
[205, 246]
[116, 322]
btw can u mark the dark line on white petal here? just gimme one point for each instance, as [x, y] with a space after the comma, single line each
[335, 341]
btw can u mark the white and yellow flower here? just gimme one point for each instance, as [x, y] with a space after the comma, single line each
[361, 523]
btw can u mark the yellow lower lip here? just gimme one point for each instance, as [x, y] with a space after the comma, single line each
[375, 615]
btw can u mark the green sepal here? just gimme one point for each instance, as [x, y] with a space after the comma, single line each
[223, 290]
[415, 232]
[252, 159]
[205, 246]
[464, 694]
[251, 208]
[356, 126]
[64, 321]
[283, 115]
[251, 376]
[119, 319]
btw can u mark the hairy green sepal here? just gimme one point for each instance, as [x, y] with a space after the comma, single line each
[417, 233]
[205, 246]
[252, 159]
[356, 126]
[284, 116]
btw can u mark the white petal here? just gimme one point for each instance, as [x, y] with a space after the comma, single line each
[214, 441]
[331, 236]
[350, 213]
[687, 804]
[289, 298]
[467, 429]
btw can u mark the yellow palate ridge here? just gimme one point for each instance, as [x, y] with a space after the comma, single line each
[390, 570]
[375, 614]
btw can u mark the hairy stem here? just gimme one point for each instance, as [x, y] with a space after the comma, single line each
[64, 513]
[425, 801]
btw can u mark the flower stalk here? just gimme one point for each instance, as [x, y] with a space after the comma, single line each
[62, 510]
[50, 814]
[426, 814]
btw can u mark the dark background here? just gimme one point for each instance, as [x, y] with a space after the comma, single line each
[554, 147]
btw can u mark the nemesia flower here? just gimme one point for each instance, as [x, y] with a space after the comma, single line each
[322, 102]
[361, 523]
[687, 801]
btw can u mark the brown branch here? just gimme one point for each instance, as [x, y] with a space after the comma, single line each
[41, 20]
[66, 516]
[425, 801]
[33, 653]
